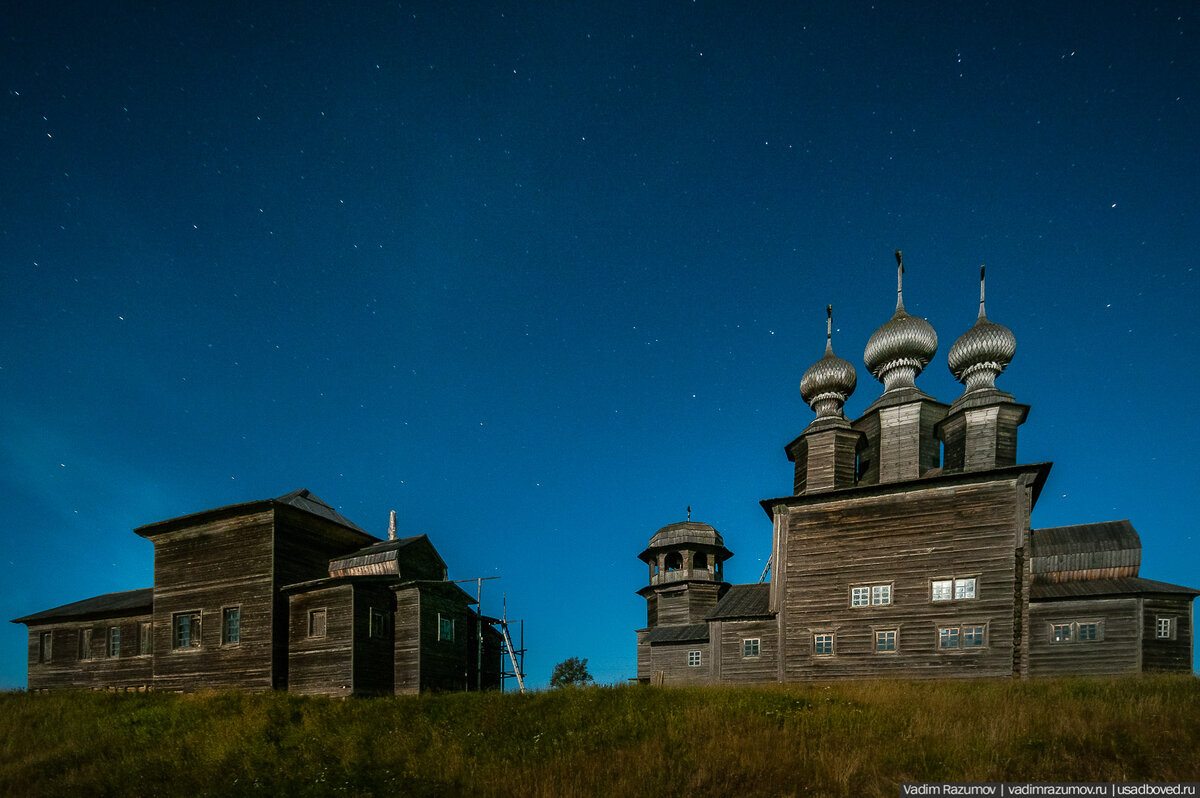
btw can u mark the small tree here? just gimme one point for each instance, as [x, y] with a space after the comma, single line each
[571, 672]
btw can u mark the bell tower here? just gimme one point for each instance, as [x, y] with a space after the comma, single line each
[686, 573]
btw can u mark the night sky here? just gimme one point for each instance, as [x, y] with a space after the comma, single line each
[538, 276]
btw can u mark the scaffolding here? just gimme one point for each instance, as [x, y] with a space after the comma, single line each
[515, 655]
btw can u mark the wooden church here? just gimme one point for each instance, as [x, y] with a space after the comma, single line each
[905, 549]
[282, 594]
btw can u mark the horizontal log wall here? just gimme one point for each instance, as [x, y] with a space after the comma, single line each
[444, 663]
[322, 665]
[373, 655]
[1172, 654]
[407, 641]
[130, 670]
[671, 659]
[1117, 651]
[735, 668]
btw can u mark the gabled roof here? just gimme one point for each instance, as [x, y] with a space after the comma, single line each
[1079, 538]
[110, 605]
[743, 601]
[1090, 588]
[304, 500]
[692, 633]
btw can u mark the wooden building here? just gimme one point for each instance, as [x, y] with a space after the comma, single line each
[906, 548]
[278, 594]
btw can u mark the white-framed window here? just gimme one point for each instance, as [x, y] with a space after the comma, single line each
[956, 589]
[231, 626]
[750, 647]
[45, 642]
[885, 640]
[317, 622]
[185, 630]
[694, 658]
[377, 624]
[860, 596]
[1076, 631]
[114, 641]
[1164, 627]
[948, 637]
[823, 644]
[881, 594]
[85, 643]
[973, 636]
[145, 637]
[867, 595]
[445, 628]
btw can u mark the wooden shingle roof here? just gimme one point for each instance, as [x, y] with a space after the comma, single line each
[691, 633]
[1106, 550]
[743, 601]
[1089, 588]
[110, 605]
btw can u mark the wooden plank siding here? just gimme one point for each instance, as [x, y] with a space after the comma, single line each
[373, 647]
[406, 627]
[731, 666]
[1174, 653]
[1115, 652]
[322, 664]
[671, 659]
[444, 663]
[906, 539]
[96, 670]
[220, 563]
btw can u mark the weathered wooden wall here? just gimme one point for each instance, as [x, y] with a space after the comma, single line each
[687, 602]
[444, 663]
[672, 660]
[131, 670]
[1117, 651]
[373, 666]
[906, 538]
[1167, 655]
[322, 665]
[407, 641]
[732, 667]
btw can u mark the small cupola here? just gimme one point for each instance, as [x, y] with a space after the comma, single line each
[686, 562]
[899, 350]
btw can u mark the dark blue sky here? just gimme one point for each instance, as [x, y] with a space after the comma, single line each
[540, 275]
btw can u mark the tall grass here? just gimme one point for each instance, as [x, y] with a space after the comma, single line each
[844, 739]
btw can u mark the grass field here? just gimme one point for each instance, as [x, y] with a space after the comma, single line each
[843, 739]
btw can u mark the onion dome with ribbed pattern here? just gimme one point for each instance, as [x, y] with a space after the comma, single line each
[982, 352]
[897, 352]
[828, 383]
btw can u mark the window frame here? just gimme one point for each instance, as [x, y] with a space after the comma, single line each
[751, 647]
[318, 630]
[445, 623]
[950, 588]
[1074, 631]
[112, 645]
[886, 636]
[377, 623]
[45, 647]
[865, 591]
[1169, 623]
[193, 641]
[695, 658]
[85, 643]
[867, 594]
[145, 638]
[232, 612]
[953, 633]
[818, 643]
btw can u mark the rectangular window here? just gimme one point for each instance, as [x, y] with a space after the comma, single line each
[316, 623]
[972, 636]
[1087, 631]
[185, 630]
[1061, 633]
[881, 594]
[114, 641]
[943, 589]
[823, 644]
[885, 640]
[964, 588]
[145, 638]
[231, 625]
[693, 659]
[85, 643]
[860, 596]
[750, 647]
[445, 628]
[377, 620]
[45, 640]
[948, 637]
[1165, 628]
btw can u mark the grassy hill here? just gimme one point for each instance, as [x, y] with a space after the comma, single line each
[842, 739]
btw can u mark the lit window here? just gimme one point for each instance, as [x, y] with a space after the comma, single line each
[1165, 628]
[972, 636]
[964, 588]
[185, 630]
[1061, 633]
[943, 589]
[693, 659]
[145, 639]
[114, 641]
[45, 639]
[885, 640]
[823, 644]
[948, 637]
[316, 623]
[860, 596]
[85, 643]
[750, 647]
[231, 625]
[881, 594]
[445, 628]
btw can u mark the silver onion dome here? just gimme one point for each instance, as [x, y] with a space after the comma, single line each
[897, 352]
[982, 352]
[830, 381]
